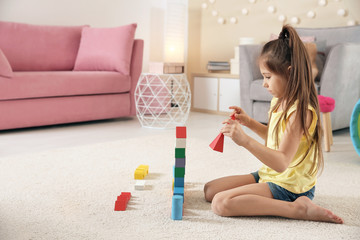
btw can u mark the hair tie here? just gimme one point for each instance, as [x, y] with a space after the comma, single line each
[284, 34]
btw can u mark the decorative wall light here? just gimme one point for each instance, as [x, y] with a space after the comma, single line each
[221, 20]
[271, 9]
[311, 14]
[322, 3]
[282, 18]
[341, 12]
[245, 11]
[295, 20]
[204, 6]
[233, 20]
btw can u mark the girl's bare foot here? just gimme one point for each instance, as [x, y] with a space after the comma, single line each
[310, 211]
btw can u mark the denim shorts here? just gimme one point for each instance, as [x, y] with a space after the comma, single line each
[281, 193]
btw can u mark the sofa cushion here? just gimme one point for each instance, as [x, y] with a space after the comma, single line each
[258, 92]
[5, 68]
[62, 83]
[39, 48]
[106, 49]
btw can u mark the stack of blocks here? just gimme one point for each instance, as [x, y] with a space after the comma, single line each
[179, 174]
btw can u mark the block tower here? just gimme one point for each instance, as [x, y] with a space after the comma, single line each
[179, 174]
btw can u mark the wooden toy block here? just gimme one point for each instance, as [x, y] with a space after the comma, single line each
[179, 152]
[180, 132]
[218, 143]
[173, 184]
[124, 195]
[139, 174]
[140, 184]
[120, 205]
[179, 191]
[180, 162]
[180, 143]
[145, 167]
[179, 182]
[179, 172]
[177, 207]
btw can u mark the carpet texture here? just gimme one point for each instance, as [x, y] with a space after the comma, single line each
[70, 194]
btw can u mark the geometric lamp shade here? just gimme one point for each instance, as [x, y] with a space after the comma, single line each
[162, 100]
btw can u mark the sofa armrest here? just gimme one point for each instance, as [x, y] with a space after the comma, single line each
[135, 70]
[249, 71]
[341, 80]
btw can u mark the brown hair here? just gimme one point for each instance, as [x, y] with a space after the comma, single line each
[277, 56]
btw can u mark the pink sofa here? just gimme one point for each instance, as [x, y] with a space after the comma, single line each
[62, 74]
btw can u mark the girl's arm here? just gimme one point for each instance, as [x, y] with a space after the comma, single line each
[278, 160]
[244, 119]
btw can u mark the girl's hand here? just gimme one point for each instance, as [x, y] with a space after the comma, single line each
[241, 115]
[234, 130]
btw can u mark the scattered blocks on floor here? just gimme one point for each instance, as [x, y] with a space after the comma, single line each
[141, 172]
[140, 184]
[122, 201]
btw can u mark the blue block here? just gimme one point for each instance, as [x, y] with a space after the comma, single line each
[179, 182]
[177, 207]
[180, 162]
[179, 191]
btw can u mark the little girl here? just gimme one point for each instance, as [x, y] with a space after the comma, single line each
[292, 156]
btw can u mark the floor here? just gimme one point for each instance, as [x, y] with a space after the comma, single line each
[203, 124]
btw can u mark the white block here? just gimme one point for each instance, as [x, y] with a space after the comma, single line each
[140, 184]
[180, 143]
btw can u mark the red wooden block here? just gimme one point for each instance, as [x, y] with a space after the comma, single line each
[218, 143]
[180, 132]
[126, 194]
[120, 205]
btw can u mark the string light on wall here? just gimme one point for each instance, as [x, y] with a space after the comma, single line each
[272, 9]
[341, 12]
[322, 3]
[311, 14]
[282, 18]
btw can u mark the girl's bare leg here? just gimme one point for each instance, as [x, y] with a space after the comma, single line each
[225, 183]
[256, 200]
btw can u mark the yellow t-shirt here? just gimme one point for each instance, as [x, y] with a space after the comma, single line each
[295, 179]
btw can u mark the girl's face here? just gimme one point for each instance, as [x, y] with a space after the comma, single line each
[274, 83]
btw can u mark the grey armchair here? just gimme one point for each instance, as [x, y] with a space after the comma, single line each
[339, 73]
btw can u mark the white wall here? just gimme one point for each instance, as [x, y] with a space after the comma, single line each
[148, 14]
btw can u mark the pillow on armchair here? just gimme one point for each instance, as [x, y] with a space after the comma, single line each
[5, 68]
[106, 49]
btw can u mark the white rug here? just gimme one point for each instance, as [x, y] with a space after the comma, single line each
[70, 194]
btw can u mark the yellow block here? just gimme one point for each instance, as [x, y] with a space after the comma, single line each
[145, 167]
[139, 173]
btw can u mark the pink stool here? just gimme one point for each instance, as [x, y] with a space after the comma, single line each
[327, 105]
